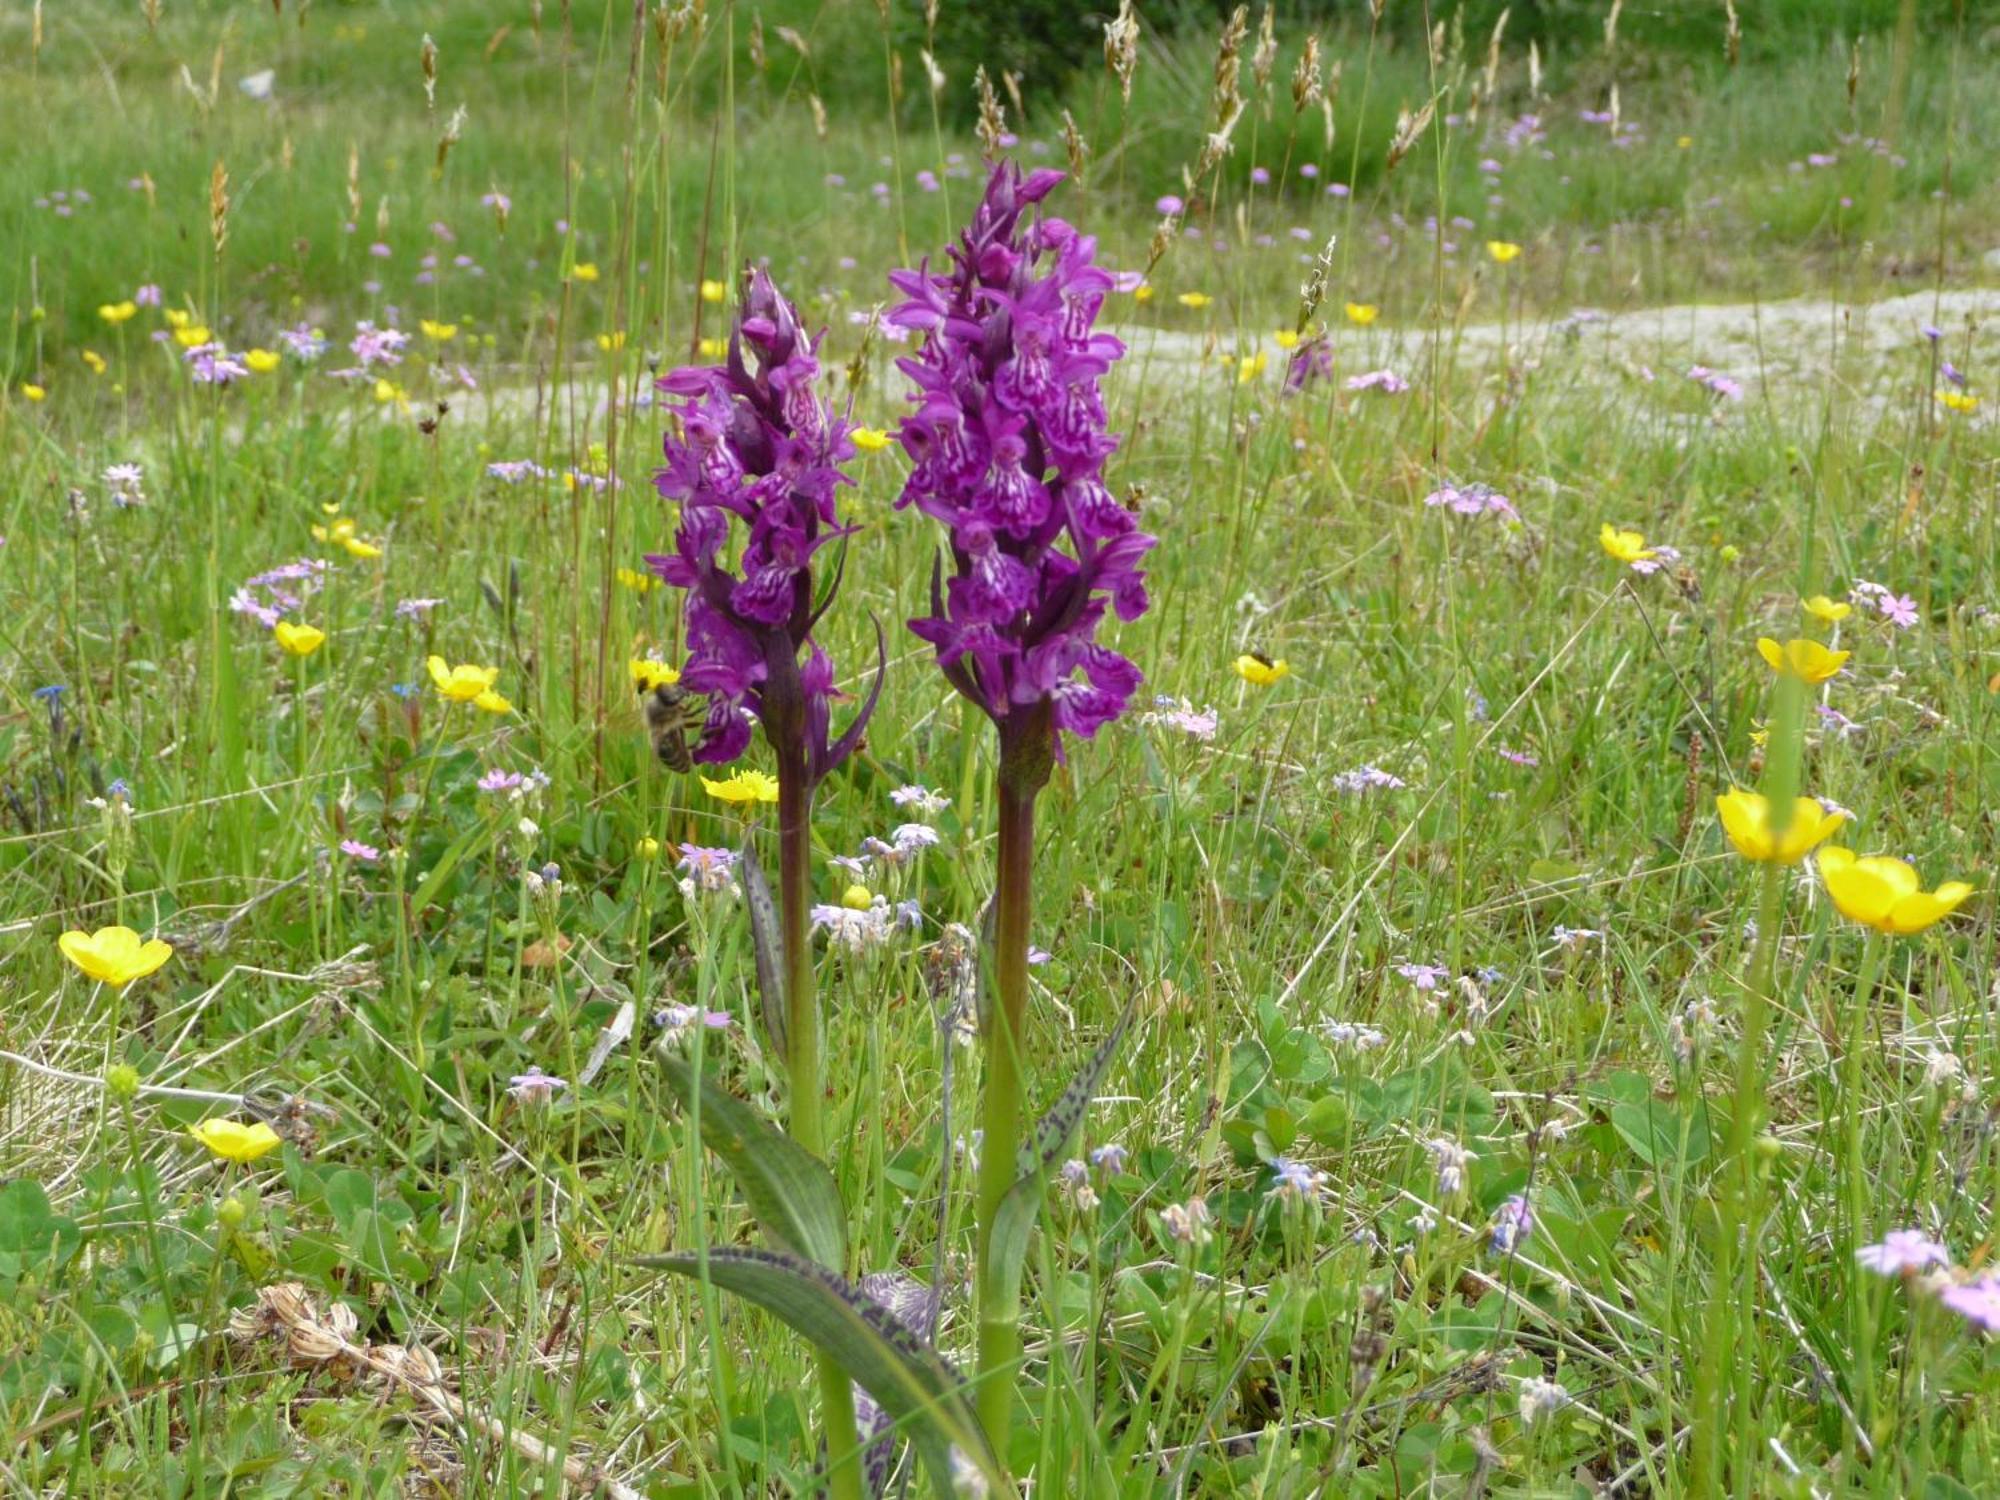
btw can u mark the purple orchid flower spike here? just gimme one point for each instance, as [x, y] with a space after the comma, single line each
[757, 443]
[1008, 442]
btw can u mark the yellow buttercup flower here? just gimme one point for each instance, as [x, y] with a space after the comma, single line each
[492, 703]
[263, 361]
[1962, 402]
[232, 1140]
[176, 317]
[1682, 142]
[93, 359]
[1361, 314]
[387, 391]
[1627, 546]
[1261, 671]
[115, 313]
[1830, 610]
[611, 343]
[648, 848]
[1885, 893]
[34, 392]
[1746, 818]
[1143, 292]
[857, 898]
[648, 674]
[1250, 366]
[358, 548]
[637, 582]
[1194, 299]
[714, 291]
[1503, 251]
[114, 955]
[300, 640]
[585, 270]
[713, 348]
[463, 683]
[1804, 659]
[870, 439]
[192, 336]
[437, 333]
[744, 786]
[1286, 338]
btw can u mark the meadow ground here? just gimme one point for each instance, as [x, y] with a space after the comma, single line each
[1489, 1119]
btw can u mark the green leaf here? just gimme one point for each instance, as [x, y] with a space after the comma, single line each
[766, 943]
[32, 1236]
[789, 1189]
[905, 1374]
[1328, 1120]
[448, 862]
[1661, 1135]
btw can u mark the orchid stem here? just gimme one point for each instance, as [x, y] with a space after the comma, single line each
[999, 1147]
[802, 1052]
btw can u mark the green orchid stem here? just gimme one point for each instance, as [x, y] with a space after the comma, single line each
[1025, 763]
[802, 1053]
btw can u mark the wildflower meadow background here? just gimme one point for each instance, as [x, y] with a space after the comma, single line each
[852, 748]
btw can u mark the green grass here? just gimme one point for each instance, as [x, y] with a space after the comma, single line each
[1231, 885]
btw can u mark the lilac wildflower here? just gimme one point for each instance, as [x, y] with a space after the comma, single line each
[1472, 500]
[148, 295]
[303, 342]
[1836, 721]
[922, 798]
[1978, 1302]
[707, 870]
[1388, 382]
[1367, 778]
[355, 849]
[377, 346]
[1353, 1034]
[1295, 1182]
[1008, 444]
[1451, 1160]
[514, 470]
[500, 781]
[678, 1021]
[1902, 1252]
[1424, 976]
[1181, 715]
[1718, 383]
[127, 483]
[1109, 1159]
[1954, 374]
[415, 609]
[534, 1087]
[1899, 610]
[212, 364]
[1513, 1221]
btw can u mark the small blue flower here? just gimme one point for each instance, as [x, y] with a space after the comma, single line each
[51, 693]
[403, 689]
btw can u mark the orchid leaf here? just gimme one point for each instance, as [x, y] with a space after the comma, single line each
[904, 1372]
[1053, 1131]
[790, 1190]
[1014, 1222]
[767, 941]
